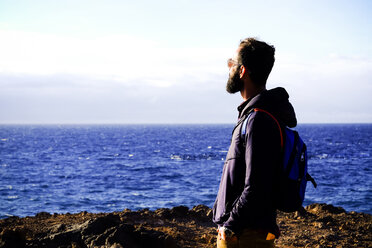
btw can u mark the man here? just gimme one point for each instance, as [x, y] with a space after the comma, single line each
[245, 205]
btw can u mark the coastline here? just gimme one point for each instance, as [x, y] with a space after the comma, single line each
[317, 225]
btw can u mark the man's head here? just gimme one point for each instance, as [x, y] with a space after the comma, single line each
[234, 83]
[253, 57]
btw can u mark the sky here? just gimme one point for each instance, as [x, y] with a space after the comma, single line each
[127, 62]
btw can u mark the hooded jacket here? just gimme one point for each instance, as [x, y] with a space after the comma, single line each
[246, 193]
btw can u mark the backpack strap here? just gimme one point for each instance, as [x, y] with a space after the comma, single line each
[244, 125]
[311, 179]
[277, 122]
[293, 154]
[244, 130]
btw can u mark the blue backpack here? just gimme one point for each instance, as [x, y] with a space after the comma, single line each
[293, 175]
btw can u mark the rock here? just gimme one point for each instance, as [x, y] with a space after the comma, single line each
[154, 239]
[318, 225]
[56, 240]
[180, 211]
[331, 237]
[201, 209]
[115, 246]
[100, 224]
[322, 207]
[120, 235]
[84, 213]
[43, 215]
[164, 213]
[58, 228]
[327, 220]
[12, 238]
[201, 212]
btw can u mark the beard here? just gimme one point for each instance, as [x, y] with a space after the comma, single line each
[234, 83]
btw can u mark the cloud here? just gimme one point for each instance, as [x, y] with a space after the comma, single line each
[70, 99]
[46, 78]
[330, 89]
[109, 79]
[117, 57]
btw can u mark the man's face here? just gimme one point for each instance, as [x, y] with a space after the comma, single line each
[234, 83]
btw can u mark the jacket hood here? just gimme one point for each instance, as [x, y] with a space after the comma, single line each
[274, 101]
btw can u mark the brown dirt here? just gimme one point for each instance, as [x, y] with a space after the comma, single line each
[318, 225]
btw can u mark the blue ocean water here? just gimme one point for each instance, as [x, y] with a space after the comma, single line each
[94, 168]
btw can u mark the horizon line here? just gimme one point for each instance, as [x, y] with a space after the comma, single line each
[164, 123]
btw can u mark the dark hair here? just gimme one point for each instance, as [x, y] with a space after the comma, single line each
[258, 58]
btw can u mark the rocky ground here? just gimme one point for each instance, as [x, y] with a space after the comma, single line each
[318, 225]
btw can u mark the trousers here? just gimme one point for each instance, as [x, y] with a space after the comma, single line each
[247, 239]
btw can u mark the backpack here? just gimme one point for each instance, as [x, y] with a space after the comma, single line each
[293, 175]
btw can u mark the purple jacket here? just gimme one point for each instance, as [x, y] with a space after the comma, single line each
[246, 193]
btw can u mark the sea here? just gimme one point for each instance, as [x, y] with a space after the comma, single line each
[106, 168]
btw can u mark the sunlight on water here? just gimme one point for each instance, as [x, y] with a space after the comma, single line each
[110, 168]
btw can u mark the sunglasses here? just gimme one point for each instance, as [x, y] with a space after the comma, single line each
[231, 63]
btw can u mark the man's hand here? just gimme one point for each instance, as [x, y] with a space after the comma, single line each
[226, 234]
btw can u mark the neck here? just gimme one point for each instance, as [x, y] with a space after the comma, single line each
[249, 92]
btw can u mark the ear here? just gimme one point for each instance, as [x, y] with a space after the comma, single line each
[242, 71]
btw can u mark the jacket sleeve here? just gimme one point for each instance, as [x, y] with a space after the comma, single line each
[262, 154]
